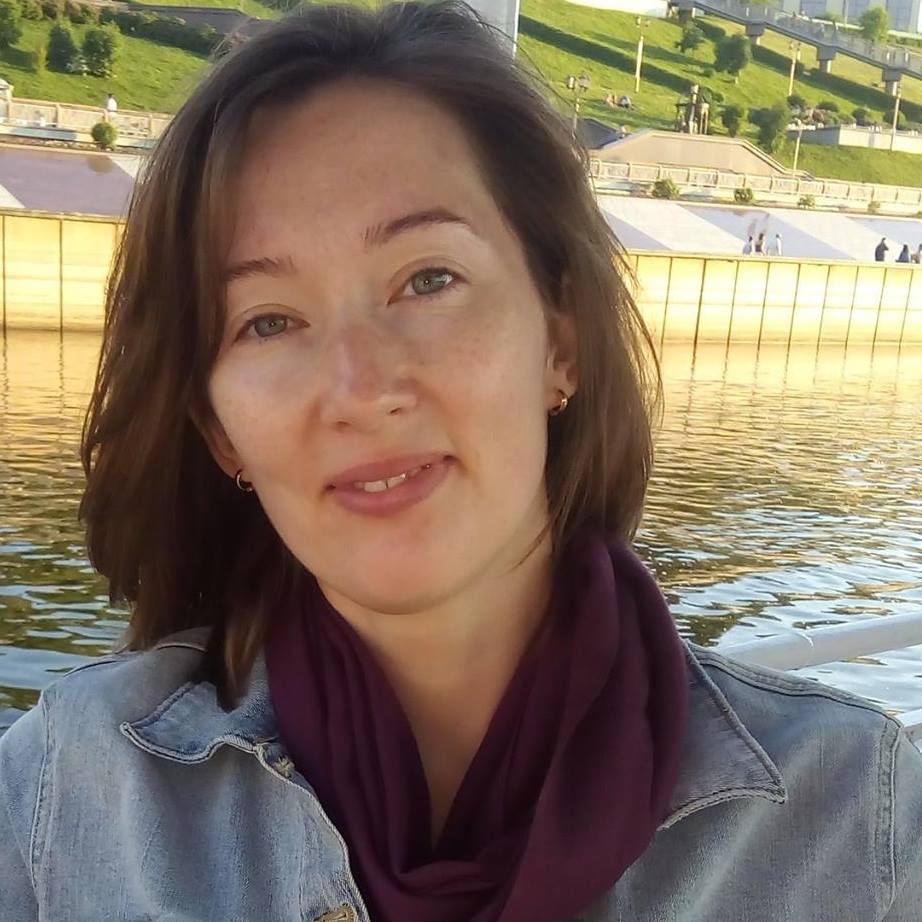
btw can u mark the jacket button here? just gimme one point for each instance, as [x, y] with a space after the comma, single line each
[343, 914]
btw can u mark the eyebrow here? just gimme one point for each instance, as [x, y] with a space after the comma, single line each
[373, 236]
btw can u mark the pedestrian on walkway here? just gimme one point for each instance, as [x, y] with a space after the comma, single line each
[917, 256]
[111, 107]
[880, 251]
[760, 245]
[747, 246]
[776, 248]
[904, 256]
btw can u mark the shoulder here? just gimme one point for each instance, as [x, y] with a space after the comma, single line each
[116, 687]
[806, 727]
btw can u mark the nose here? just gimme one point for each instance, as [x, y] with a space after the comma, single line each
[366, 374]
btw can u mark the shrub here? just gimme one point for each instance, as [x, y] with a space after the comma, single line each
[51, 9]
[732, 117]
[733, 54]
[10, 28]
[901, 119]
[863, 117]
[797, 102]
[744, 196]
[873, 207]
[63, 53]
[771, 123]
[827, 105]
[692, 37]
[79, 13]
[104, 134]
[875, 24]
[665, 188]
[99, 50]
[806, 201]
[30, 9]
[707, 71]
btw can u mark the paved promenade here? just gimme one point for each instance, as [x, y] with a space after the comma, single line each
[62, 181]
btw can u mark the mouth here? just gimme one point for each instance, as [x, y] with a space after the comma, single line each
[402, 486]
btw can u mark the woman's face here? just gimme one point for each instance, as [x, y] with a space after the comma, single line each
[380, 310]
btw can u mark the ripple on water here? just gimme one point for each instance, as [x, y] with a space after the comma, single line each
[787, 494]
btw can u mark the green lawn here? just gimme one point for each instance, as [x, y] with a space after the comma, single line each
[250, 7]
[147, 76]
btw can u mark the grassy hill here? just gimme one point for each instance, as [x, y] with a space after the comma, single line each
[558, 38]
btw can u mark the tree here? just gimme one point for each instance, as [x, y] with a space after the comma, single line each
[875, 24]
[10, 29]
[99, 49]
[771, 122]
[733, 53]
[732, 117]
[692, 37]
[63, 52]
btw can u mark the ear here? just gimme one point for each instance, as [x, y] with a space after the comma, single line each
[562, 372]
[218, 442]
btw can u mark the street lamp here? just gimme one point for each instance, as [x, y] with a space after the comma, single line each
[799, 125]
[641, 22]
[795, 57]
[578, 85]
[896, 112]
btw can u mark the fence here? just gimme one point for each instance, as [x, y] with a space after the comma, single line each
[831, 191]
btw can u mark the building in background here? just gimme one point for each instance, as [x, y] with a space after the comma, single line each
[905, 15]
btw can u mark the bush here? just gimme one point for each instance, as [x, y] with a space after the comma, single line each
[873, 207]
[707, 72]
[30, 9]
[901, 119]
[733, 54]
[99, 50]
[10, 29]
[104, 134]
[692, 37]
[165, 30]
[827, 105]
[806, 201]
[863, 117]
[875, 24]
[63, 53]
[79, 13]
[732, 117]
[665, 188]
[51, 9]
[771, 123]
[797, 102]
[744, 196]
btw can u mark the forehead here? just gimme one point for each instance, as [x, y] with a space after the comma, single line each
[348, 156]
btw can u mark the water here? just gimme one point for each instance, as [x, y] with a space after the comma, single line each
[787, 493]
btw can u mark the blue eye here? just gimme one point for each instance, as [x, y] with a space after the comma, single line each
[431, 281]
[267, 325]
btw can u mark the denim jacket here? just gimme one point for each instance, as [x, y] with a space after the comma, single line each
[127, 793]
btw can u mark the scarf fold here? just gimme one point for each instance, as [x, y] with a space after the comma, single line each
[570, 782]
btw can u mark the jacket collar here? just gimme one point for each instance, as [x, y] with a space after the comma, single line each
[722, 760]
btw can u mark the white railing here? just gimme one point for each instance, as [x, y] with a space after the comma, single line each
[698, 178]
[833, 644]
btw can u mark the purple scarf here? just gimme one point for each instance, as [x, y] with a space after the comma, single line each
[570, 782]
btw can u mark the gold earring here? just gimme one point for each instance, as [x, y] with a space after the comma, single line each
[564, 402]
[242, 484]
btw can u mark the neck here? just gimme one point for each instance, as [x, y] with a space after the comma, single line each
[450, 665]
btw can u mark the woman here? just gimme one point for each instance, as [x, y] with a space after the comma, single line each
[369, 440]
[905, 256]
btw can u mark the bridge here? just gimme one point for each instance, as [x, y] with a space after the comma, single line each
[894, 61]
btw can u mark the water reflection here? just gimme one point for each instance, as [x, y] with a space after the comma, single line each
[788, 492]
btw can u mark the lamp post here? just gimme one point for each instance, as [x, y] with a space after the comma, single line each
[795, 57]
[896, 112]
[640, 24]
[799, 125]
[578, 85]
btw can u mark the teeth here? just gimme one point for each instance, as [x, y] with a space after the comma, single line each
[379, 486]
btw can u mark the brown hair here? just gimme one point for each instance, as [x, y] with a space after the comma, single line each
[171, 532]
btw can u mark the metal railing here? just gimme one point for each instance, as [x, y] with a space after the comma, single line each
[835, 643]
[836, 191]
[895, 57]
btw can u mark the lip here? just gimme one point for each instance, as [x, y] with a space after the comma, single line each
[400, 498]
[382, 470]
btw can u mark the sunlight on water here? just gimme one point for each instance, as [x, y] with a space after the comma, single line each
[787, 493]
